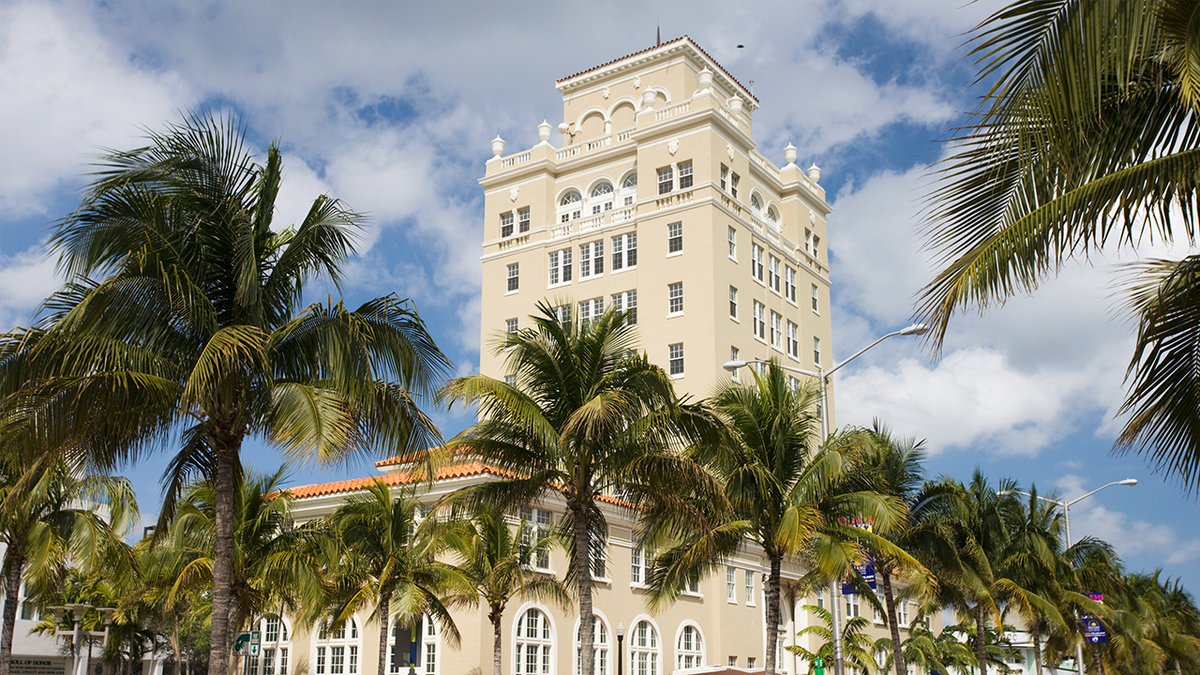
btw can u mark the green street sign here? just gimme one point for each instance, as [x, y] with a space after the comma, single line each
[247, 643]
[820, 665]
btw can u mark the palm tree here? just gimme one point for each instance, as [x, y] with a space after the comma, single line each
[932, 653]
[586, 417]
[782, 490]
[48, 515]
[182, 319]
[1088, 133]
[495, 560]
[858, 647]
[386, 557]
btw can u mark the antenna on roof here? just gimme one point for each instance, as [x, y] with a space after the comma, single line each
[658, 36]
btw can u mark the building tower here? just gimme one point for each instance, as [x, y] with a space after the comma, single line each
[659, 202]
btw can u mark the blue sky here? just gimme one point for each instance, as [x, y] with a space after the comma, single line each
[390, 106]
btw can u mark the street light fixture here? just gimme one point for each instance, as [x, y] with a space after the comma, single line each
[620, 640]
[823, 376]
[1066, 507]
[79, 637]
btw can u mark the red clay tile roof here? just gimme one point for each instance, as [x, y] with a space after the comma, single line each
[669, 42]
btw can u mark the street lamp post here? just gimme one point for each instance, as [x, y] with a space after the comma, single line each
[823, 376]
[620, 640]
[79, 637]
[1066, 507]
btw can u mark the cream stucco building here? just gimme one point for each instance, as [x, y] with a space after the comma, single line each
[656, 200]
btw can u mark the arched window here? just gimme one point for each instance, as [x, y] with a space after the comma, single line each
[602, 197]
[643, 649]
[629, 189]
[276, 645]
[689, 649]
[772, 214]
[599, 647]
[400, 651]
[533, 641]
[337, 649]
[570, 206]
[755, 203]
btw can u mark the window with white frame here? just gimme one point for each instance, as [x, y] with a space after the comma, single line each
[514, 277]
[733, 303]
[749, 587]
[523, 220]
[629, 189]
[789, 283]
[816, 244]
[689, 650]
[532, 643]
[624, 251]
[644, 656]
[730, 584]
[666, 180]
[337, 649]
[400, 641]
[733, 185]
[506, 224]
[793, 340]
[685, 175]
[637, 565]
[563, 313]
[570, 206]
[510, 326]
[755, 204]
[560, 266]
[602, 198]
[675, 298]
[675, 356]
[820, 597]
[693, 586]
[599, 647]
[815, 304]
[902, 613]
[760, 321]
[750, 662]
[535, 529]
[793, 384]
[510, 380]
[626, 301]
[591, 259]
[817, 351]
[733, 662]
[756, 261]
[773, 215]
[273, 659]
[851, 606]
[724, 177]
[807, 240]
[776, 330]
[589, 310]
[774, 275]
[732, 244]
[600, 559]
[733, 356]
[674, 238]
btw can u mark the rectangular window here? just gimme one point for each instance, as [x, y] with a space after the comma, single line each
[820, 597]
[816, 246]
[807, 240]
[510, 380]
[337, 660]
[789, 284]
[733, 183]
[756, 261]
[352, 663]
[733, 356]
[506, 224]
[624, 251]
[563, 312]
[272, 630]
[510, 325]
[666, 180]
[815, 305]
[851, 606]
[430, 659]
[674, 237]
[600, 561]
[591, 259]
[283, 662]
[902, 613]
[793, 384]
[626, 301]
[27, 610]
[685, 175]
[675, 354]
[268, 660]
[514, 276]
[693, 586]
[523, 220]
[878, 615]
[537, 528]
[675, 298]
[776, 330]
[732, 244]
[774, 274]
[750, 662]
[793, 340]
[749, 587]
[817, 351]
[760, 321]
[560, 267]
[252, 665]
[637, 565]
[590, 309]
[733, 662]
[320, 669]
[732, 302]
[731, 584]
[724, 182]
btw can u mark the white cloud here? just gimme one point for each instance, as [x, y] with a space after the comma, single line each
[1130, 536]
[25, 280]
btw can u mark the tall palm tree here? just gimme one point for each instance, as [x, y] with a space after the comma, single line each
[182, 319]
[387, 558]
[783, 490]
[932, 653]
[495, 559]
[858, 647]
[1088, 134]
[586, 417]
[49, 514]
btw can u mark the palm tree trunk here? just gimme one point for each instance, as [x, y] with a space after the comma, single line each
[980, 639]
[175, 643]
[1099, 664]
[227, 449]
[385, 608]
[1036, 633]
[583, 568]
[772, 615]
[12, 595]
[889, 601]
[496, 616]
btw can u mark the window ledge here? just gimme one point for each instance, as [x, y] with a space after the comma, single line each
[512, 292]
[675, 254]
[678, 377]
[674, 315]
[735, 319]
